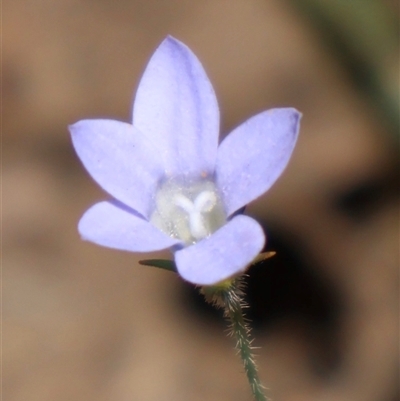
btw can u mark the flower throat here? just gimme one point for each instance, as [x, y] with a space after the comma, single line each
[188, 210]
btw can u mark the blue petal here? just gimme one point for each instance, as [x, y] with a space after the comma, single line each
[222, 255]
[120, 159]
[176, 107]
[114, 225]
[254, 155]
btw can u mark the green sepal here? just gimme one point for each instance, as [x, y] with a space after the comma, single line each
[160, 263]
[262, 256]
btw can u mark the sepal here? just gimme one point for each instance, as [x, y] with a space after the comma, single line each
[160, 263]
[262, 256]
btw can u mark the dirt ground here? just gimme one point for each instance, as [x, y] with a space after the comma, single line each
[82, 322]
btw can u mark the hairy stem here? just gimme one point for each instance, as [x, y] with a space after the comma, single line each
[230, 298]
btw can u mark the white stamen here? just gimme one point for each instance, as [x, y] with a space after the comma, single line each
[189, 212]
[184, 203]
[196, 224]
[205, 201]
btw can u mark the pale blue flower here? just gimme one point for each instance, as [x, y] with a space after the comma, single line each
[172, 185]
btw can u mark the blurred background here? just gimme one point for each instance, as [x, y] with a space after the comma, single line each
[88, 323]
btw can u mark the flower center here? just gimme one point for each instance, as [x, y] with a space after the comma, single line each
[189, 211]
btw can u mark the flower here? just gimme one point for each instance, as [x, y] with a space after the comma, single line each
[172, 185]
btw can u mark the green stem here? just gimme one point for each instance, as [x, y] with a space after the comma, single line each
[234, 311]
[231, 299]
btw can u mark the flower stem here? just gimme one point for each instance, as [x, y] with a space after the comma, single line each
[230, 298]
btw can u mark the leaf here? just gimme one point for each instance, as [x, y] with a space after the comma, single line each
[160, 263]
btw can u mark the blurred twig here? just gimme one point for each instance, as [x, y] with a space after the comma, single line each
[364, 35]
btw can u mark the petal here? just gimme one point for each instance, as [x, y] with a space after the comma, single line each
[120, 159]
[254, 155]
[222, 255]
[114, 225]
[176, 107]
